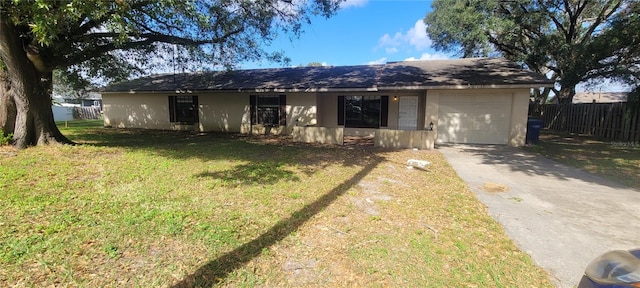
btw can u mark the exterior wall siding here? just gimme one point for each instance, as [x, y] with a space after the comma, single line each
[149, 111]
[328, 106]
[519, 99]
[230, 111]
[328, 109]
[420, 139]
[224, 112]
[302, 110]
[519, 117]
[219, 112]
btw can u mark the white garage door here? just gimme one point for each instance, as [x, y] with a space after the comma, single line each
[479, 119]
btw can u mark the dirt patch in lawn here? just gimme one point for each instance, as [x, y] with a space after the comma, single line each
[493, 187]
[7, 151]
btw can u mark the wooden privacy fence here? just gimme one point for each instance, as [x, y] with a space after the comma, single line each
[607, 120]
[86, 113]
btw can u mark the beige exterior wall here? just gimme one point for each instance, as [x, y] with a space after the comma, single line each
[431, 110]
[519, 117]
[519, 109]
[302, 110]
[222, 112]
[229, 112]
[322, 135]
[328, 105]
[149, 111]
[420, 139]
[328, 110]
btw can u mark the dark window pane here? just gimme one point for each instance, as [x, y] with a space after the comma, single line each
[268, 100]
[384, 111]
[353, 111]
[340, 110]
[268, 115]
[362, 111]
[253, 108]
[269, 110]
[282, 102]
[172, 109]
[183, 109]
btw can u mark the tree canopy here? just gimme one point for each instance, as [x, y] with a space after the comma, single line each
[108, 33]
[570, 41]
[112, 40]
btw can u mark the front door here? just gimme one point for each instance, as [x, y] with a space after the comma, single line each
[408, 113]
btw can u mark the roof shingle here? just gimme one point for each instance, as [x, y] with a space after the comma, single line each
[430, 74]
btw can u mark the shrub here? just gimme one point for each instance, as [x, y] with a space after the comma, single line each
[5, 139]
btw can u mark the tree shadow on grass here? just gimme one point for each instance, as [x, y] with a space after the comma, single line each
[208, 146]
[517, 159]
[254, 172]
[218, 269]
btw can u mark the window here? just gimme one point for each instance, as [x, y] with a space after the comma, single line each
[363, 111]
[268, 110]
[183, 109]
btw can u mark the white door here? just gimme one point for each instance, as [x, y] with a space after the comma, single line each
[408, 113]
[479, 119]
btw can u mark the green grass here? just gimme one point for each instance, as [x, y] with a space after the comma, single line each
[616, 161]
[158, 208]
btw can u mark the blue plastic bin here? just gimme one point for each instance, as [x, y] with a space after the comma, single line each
[533, 131]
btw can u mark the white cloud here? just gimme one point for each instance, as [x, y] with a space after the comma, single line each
[353, 3]
[323, 64]
[418, 37]
[382, 60]
[391, 50]
[428, 56]
[415, 37]
[389, 41]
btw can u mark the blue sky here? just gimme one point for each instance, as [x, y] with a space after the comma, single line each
[362, 32]
[372, 32]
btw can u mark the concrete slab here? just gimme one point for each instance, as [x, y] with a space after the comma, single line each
[563, 217]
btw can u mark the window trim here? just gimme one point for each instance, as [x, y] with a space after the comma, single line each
[282, 110]
[174, 109]
[383, 117]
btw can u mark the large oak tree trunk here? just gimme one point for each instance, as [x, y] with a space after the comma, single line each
[565, 96]
[7, 105]
[31, 91]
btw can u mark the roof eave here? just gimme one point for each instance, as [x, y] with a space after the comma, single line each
[461, 87]
[253, 90]
[329, 89]
[311, 89]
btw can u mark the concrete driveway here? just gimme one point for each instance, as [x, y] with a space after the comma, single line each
[561, 216]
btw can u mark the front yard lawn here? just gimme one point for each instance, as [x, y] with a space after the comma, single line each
[617, 161]
[157, 209]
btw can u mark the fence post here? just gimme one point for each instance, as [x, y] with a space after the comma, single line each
[607, 120]
[86, 113]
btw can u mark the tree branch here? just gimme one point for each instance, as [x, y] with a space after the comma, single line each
[601, 16]
[556, 21]
[507, 48]
[572, 21]
[142, 40]
[95, 23]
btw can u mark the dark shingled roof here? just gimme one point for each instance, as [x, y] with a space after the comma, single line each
[429, 74]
